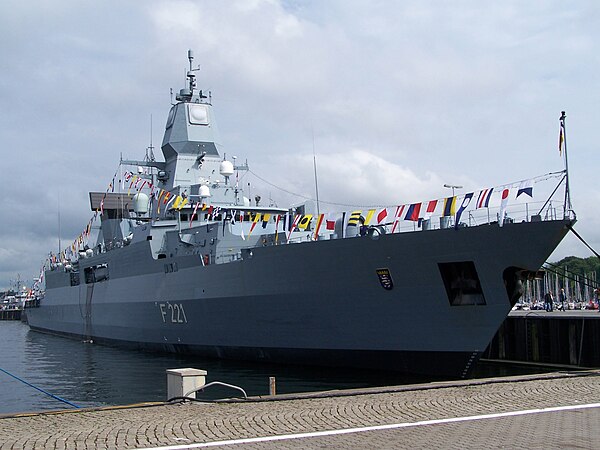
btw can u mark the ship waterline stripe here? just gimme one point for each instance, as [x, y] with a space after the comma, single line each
[285, 437]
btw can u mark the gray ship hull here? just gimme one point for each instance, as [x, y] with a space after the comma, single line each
[319, 302]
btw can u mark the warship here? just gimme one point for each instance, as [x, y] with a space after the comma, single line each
[180, 260]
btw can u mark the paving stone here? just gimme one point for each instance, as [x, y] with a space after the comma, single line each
[187, 423]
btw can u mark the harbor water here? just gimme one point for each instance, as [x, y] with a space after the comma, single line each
[91, 375]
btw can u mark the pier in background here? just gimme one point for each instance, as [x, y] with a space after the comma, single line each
[569, 338]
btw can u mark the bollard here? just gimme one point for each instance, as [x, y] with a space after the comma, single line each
[272, 387]
[182, 381]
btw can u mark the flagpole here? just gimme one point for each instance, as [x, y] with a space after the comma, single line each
[315, 167]
[567, 205]
[59, 243]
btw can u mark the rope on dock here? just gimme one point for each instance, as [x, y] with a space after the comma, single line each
[40, 389]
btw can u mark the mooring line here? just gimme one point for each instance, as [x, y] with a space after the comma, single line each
[570, 227]
[40, 389]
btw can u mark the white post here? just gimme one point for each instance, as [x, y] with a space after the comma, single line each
[182, 381]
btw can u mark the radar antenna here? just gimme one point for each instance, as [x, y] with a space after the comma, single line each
[188, 93]
[191, 58]
[190, 74]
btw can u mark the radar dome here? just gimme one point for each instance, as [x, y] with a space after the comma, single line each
[140, 203]
[204, 191]
[226, 168]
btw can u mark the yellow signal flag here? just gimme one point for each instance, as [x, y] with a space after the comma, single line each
[305, 221]
[254, 222]
[369, 216]
[318, 226]
[450, 206]
[131, 184]
[178, 200]
[183, 203]
[354, 217]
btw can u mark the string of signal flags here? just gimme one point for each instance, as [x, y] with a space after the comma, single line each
[453, 206]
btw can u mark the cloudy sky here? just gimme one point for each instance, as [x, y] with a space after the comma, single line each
[397, 99]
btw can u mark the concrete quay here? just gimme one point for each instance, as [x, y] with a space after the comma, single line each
[559, 410]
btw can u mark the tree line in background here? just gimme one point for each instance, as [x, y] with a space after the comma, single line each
[580, 266]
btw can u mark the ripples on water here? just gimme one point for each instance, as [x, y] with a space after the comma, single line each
[93, 375]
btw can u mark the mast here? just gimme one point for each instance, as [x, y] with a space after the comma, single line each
[563, 143]
[59, 243]
[315, 167]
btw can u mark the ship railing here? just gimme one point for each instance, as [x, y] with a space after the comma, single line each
[522, 212]
[227, 257]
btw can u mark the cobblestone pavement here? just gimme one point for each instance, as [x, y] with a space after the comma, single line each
[189, 423]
